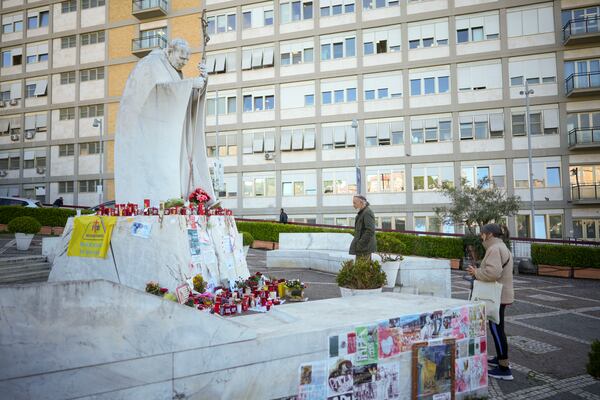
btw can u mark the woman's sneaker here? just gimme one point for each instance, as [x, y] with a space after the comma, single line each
[493, 362]
[499, 373]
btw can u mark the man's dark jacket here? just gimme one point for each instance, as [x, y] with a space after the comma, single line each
[364, 233]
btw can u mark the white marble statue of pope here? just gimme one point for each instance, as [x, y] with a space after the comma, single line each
[160, 150]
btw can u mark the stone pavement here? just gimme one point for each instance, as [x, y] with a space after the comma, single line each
[550, 327]
[8, 246]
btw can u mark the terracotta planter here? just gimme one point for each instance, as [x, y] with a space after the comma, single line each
[555, 270]
[586, 273]
[46, 230]
[58, 230]
[347, 292]
[454, 263]
[262, 244]
[3, 227]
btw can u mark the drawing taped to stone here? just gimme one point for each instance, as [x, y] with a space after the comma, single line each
[390, 339]
[339, 379]
[477, 320]
[433, 370]
[313, 378]
[471, 373]
[388, 380]
[366, 345]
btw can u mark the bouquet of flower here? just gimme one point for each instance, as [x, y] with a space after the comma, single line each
[152, 287]
[295, 284]
[199, 283]
[199, 196]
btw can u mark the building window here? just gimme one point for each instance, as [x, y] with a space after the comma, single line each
[385, 180]
[68, 6]
[259, 186]
[293, 11]
[67, 78]
[297, 139]
[339, 96]
[374, 4]
[65, 150]
[88, 186]
[338, 47]
[66, 114]
[431, 130]
[38, 21]
[530, 20]
[432, 177]
[221, 23]
[227, 145]
[541, 122]
[297, 53]
[95, 110]
[92, 38]
[258, 103]
[337, 137]
[68, 42]
[431, 34]
[481, 127]
[546, 174]
[484, 174]
[379, 41]
[224, 105]
[341, 7]
[535, 71]
[12, 23]
[339, 181]
[257, 17]
[85, 4]
[92, 74]
[86, 149]
[384, 133]
[257, 58]
[477, 27]
[428, 85]
[66, 187]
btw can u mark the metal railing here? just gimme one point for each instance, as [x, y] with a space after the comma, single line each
[141, 5]
[585, 192]
[582, 80]
[148, 43]
[581, 26]
[589, 135]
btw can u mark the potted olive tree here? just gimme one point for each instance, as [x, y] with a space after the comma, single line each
[361, 277]
[24, 229]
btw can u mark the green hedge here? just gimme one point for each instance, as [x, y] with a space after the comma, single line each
[45, 216]
[565, 255]
[389, 242]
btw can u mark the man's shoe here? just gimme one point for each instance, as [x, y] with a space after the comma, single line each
[493, 362]
[503, 374]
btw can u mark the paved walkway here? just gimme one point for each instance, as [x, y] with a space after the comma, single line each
[8, 246]
[550, 328]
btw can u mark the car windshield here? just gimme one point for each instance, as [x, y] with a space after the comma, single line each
[37, 203]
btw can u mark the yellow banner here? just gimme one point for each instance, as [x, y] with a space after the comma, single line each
[91, 236]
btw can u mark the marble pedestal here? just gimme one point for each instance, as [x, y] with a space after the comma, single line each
[101, 340]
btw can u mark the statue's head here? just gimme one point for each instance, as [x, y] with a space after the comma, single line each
[178, 53]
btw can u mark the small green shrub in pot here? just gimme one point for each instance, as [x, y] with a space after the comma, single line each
[26, 225]
[361, 274]
[248, 238]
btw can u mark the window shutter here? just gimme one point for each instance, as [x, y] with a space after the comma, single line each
[551, 118]
[350, 136]
[220, 63]
[286, 140]
[41, 120]
[269, 141]
[441, 30]
[268, 57]
[309, 139]
[40, 88]
[29, 122]
[257, 143]
[497, 122]
[297, 139]
[210, 64]
[491, 24]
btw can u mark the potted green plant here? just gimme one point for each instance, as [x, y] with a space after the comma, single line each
[361, 277]
[24, 229]
[390, 264]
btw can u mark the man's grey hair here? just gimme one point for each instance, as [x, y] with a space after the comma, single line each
[361, 198]
[178, 43]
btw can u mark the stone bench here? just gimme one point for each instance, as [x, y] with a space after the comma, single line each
[325, 252]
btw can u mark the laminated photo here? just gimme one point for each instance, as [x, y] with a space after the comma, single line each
[390, 340]
[194, 242]
[388, 380]
[471, 373]
[366, 391]
[477, 320]
[433, 370]
[411, 331]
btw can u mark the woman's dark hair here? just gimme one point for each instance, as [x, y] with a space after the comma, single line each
[499, 231]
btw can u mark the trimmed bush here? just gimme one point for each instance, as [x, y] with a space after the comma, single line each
[387, 242]
[361, 274]
[248, 238]
[593, 365]
[25, 225]
[565, 255]
[45, 216]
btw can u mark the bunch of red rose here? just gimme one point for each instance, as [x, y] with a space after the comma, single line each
[199, 196]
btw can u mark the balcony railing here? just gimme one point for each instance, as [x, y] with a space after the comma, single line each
[581, 27]
[146, 44]
[588, 137]
[149, 8]
[586, 193]
[583, 82]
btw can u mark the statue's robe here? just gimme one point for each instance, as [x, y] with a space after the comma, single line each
[160, 150]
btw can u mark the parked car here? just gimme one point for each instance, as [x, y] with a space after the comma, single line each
[19, 201]
[106, 204]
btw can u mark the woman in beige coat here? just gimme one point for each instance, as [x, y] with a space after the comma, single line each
[497, 266]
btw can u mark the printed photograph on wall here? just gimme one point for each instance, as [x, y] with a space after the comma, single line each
[433, 370]
[312, 381]
[364, 377]
[390, 339]
[366, 345]
[471, 373]
[411, 331]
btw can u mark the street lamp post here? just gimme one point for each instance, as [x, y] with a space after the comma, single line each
[100, 188]
[357, 168]
[527, 92]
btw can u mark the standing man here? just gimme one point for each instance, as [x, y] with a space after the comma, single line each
[283, 218]
[364, 242]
